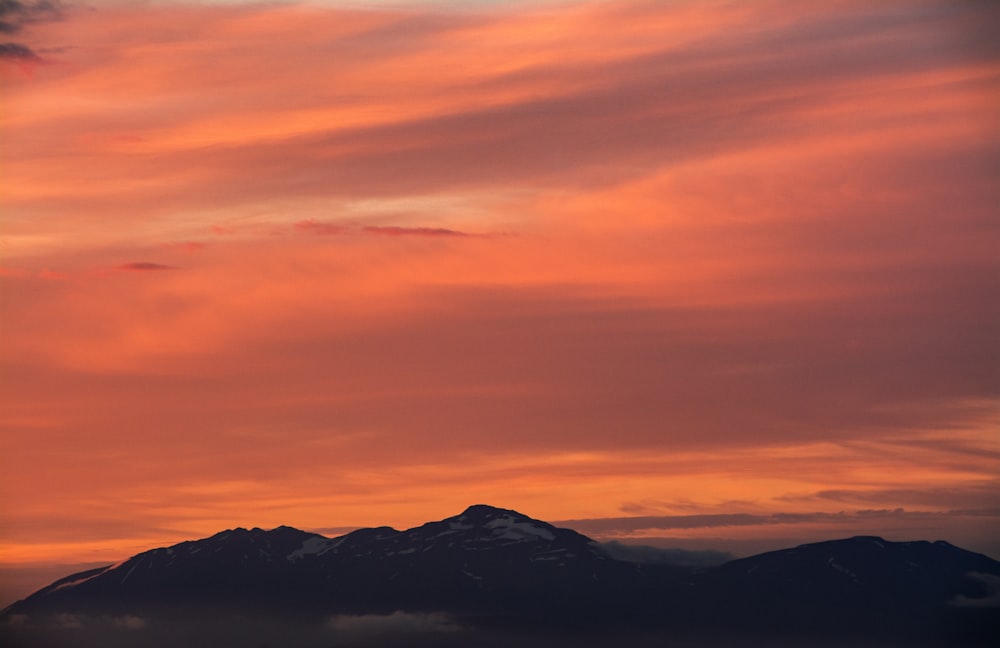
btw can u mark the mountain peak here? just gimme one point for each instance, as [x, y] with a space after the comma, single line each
[487, 512]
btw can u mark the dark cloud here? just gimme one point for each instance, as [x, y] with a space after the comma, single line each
[411, 231]
[636, 523]
[979, 497]
[322, 228]
[18, 52]
[14, 14]
[141, 266]
[858, 519]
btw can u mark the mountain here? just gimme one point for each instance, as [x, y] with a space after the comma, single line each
[486, 558]
[859, 586]
[496, 571]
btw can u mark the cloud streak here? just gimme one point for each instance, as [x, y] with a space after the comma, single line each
[143, 266]
[16, 14]
[630, 525]
[320, 228]
[391, 230]
[17, 52]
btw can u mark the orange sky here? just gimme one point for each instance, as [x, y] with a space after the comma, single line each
[642, 266]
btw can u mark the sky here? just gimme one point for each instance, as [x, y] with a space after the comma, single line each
[696, 274]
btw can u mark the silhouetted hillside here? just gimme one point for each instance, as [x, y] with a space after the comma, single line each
[494, 574]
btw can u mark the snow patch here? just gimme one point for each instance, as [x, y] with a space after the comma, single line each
[555, 554]
[308, 548]
[84, 580]
[508, 528]
[454, 527]
[331, 544]
[125, 577]
[844, 570]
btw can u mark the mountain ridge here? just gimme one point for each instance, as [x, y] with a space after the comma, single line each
[490, 563]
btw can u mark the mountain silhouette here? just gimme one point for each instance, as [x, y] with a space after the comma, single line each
[493, 571]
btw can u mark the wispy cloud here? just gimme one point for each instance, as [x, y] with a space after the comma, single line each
[143, 266]
[970, 496]
[855, 519]
[322, 228]
[316, 227]
[387, 230]
[17, 52]
[16, 14]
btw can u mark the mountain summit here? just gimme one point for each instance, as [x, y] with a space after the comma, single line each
[494, 567]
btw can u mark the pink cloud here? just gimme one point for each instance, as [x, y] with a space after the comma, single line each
[143, 266]
[316, 227]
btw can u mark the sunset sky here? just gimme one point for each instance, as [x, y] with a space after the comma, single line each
[719, 275]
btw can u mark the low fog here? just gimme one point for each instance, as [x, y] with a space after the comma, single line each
[398, 629]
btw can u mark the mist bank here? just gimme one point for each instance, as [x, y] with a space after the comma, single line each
[425, 629]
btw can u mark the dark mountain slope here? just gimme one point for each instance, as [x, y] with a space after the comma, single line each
[485, 560]
[862, 586]
[236, 568]
[498, 569]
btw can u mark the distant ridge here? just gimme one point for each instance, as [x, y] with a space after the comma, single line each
[488, 568]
